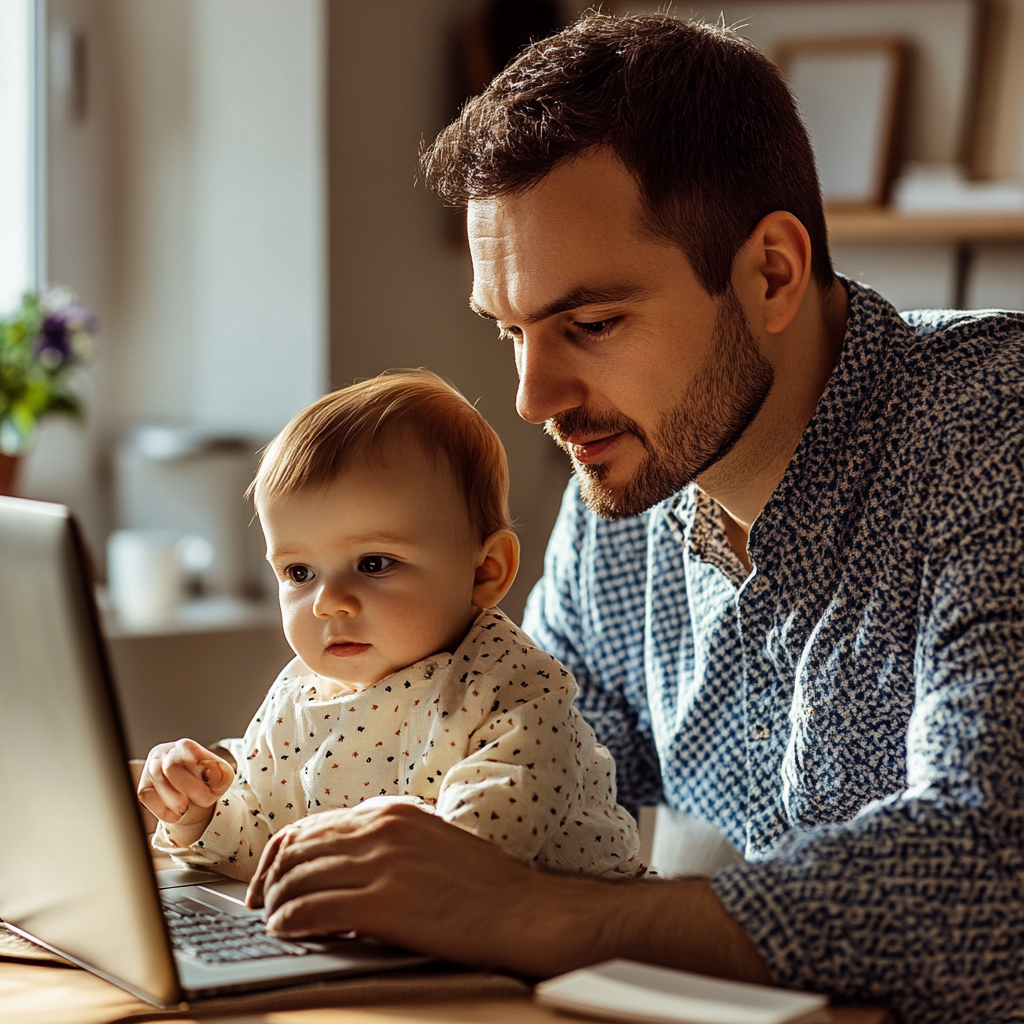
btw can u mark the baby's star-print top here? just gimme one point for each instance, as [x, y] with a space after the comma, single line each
[487, 737]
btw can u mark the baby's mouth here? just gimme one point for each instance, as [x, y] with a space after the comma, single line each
[346, 648]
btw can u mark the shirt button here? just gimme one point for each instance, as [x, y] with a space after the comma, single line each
[760, 731]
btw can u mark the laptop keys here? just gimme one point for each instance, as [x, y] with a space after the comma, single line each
[199, 931]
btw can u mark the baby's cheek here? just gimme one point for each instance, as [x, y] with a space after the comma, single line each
[299, 625]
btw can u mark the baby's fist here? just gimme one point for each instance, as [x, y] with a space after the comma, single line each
[182, 781]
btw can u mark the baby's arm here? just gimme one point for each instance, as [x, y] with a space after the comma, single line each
[512, 791]
[521, 772]
[534, 781]
[229, 837]
[181, 783]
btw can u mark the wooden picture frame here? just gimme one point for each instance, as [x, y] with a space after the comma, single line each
[850, 93]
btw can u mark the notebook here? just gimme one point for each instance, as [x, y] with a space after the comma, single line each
[645, 994]
[77, 876]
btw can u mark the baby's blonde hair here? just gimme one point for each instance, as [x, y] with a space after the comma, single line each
[367, 419]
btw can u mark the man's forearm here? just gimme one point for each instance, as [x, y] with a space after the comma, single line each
[411, 879]
[676, 923]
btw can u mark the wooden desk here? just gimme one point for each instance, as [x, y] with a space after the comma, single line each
[64, 995]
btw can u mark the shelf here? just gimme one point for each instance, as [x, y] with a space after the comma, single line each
[202, 615]
[882, 224]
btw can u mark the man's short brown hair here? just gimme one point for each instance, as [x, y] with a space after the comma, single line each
[701, 118]
[369, 420]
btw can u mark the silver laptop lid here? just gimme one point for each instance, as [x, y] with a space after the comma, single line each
[75, 873]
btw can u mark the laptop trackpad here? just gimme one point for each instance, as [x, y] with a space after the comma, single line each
[228, 888]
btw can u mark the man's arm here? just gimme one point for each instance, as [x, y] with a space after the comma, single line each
[409, 878]
[918, 900]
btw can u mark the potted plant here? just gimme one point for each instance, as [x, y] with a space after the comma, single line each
[42, 348]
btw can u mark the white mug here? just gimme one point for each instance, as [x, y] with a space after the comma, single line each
[147, 571]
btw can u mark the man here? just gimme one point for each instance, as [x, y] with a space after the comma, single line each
[790, 581]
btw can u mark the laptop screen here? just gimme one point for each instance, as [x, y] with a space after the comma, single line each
[75, 871]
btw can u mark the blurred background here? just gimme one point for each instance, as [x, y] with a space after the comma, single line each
[231, 186]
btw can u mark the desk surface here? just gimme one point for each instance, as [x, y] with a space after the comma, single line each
[58, 995]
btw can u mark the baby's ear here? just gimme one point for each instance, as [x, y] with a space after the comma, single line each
[497, 568]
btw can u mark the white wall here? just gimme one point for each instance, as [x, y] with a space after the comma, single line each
[259, 225]
[221, 209]
[188, 208]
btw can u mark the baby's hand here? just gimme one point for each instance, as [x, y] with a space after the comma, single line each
[180, 784]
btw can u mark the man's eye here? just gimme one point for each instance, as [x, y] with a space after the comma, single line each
[372, 564]
[595, 328]
[299, 573]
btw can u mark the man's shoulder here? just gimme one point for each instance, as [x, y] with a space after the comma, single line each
[933, 368]
[945, 391]
[936, 337]
[965, 364]
[966, 338]
[960, 322]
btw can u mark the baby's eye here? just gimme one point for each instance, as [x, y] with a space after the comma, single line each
[299, 573]
[372, 564]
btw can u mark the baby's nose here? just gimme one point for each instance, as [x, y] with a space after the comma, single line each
[335, 599]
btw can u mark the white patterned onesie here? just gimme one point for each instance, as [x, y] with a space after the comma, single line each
[488, 738]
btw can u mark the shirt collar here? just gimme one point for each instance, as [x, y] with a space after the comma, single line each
[872, 326]
[818, 476]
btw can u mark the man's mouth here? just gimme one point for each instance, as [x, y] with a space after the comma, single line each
[589, 450]
[589, 438]
[346, 648]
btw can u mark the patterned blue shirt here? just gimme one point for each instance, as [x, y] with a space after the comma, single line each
[851, 712]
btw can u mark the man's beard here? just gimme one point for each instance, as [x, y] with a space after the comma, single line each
[719, 404]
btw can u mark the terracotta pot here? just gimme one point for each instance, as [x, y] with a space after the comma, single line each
[9, 465]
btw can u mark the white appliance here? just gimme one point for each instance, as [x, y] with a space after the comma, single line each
[190, 480]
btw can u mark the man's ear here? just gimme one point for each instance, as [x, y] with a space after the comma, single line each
[497, 568]
[773, 269]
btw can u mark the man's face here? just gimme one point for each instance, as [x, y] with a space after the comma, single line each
[640, 375]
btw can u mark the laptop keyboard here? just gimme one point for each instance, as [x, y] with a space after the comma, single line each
[215, 937]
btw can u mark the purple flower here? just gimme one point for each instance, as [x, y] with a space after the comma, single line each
[79, 317]
[54, 341]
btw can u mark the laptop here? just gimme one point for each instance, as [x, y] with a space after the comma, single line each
[77, 875]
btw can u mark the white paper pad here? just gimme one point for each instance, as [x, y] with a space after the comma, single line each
[626, 990]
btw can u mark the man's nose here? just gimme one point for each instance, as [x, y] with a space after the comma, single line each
[548, 379]
[333, 597]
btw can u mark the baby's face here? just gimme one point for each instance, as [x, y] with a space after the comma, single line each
[376, 571]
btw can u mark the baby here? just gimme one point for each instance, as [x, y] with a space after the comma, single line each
[385, 511]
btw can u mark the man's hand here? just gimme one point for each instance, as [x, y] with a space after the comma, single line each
[180, 784]
[400, 875]
[396, 873]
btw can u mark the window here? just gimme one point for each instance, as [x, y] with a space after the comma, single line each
[18, 220]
